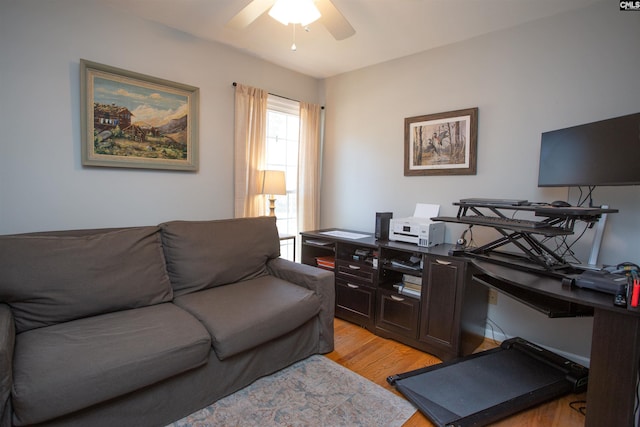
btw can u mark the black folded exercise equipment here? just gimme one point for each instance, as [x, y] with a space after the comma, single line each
[484, 387]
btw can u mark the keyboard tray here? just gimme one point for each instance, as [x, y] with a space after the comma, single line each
[497, 221]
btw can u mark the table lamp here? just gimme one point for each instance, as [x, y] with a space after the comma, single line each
[273, 183]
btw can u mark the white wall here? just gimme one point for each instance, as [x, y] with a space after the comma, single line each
[42, 183]
[562, 71]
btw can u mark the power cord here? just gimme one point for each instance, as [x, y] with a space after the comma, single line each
[589, 196]
[579, 406]
[472, 243]
[491, 323]
[568, 250]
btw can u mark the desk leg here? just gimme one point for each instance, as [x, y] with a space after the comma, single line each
[613, 371]
[290, 237]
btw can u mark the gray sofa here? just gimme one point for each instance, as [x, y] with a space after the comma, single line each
[142, 326]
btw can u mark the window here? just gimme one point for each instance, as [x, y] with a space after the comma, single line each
[283, 133]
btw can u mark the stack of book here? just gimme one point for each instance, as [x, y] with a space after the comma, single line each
[326, 261]
[410, 286]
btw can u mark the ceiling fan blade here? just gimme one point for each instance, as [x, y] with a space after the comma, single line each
[335, 22]
[249, 13]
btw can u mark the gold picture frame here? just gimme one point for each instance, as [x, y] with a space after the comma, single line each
[132, 120]
[441, 144]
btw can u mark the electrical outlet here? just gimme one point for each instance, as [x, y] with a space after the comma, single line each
[493, 297]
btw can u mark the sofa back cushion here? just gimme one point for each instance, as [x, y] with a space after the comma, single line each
[62, 276]
[205, 254]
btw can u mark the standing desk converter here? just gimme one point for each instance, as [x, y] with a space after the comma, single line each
[528, 239]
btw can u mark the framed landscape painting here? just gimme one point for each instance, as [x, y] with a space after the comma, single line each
[441, 144]
[132, 120]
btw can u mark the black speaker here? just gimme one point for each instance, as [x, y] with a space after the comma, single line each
[382, 225]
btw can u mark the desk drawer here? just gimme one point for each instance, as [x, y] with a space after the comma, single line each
[354, 270]
[355, 303]
[398, 313]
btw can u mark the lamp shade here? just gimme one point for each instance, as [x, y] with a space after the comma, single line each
[273, 182]
[301, 12]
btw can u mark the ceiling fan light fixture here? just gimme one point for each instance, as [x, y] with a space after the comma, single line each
[301, 12]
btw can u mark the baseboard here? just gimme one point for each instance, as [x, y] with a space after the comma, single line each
[494, 335]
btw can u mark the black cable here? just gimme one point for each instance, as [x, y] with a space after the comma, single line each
[472, 243]
[589, 195]
[569, 246]
[580, 196]
[491, 323]
[581, 409]
[593, 187]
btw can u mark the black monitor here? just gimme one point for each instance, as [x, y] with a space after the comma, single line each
[603, 153]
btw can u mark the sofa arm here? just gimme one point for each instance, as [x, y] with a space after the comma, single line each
[7, 344]
[318, 280]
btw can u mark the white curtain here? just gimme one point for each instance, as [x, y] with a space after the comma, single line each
[250, 131]
[309, 157]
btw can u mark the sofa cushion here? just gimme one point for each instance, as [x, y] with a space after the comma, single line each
[69, 366]
[246, 314]
[48, 279]
[204, 254]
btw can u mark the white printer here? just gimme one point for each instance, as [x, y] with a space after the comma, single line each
[418, 229]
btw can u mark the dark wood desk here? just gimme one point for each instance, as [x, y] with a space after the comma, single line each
[615, 346]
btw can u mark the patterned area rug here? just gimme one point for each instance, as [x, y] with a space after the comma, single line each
[313, 392]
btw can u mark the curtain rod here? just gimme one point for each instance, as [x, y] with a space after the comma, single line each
[273, 94]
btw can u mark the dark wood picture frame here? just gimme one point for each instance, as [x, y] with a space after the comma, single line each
[441, 144]
[132, 120]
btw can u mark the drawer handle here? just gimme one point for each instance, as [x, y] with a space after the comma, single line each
[352, 286]
[443, 262]
[395, 298]
[354, 267]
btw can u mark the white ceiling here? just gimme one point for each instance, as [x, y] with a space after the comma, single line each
[385, 29]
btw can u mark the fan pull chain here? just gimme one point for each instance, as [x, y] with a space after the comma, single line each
[293, 46]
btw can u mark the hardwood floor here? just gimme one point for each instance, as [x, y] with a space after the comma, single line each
[376, 358]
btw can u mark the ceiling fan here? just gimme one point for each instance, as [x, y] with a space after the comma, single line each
[330, 17]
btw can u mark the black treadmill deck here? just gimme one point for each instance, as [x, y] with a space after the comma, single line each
[484, 387]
